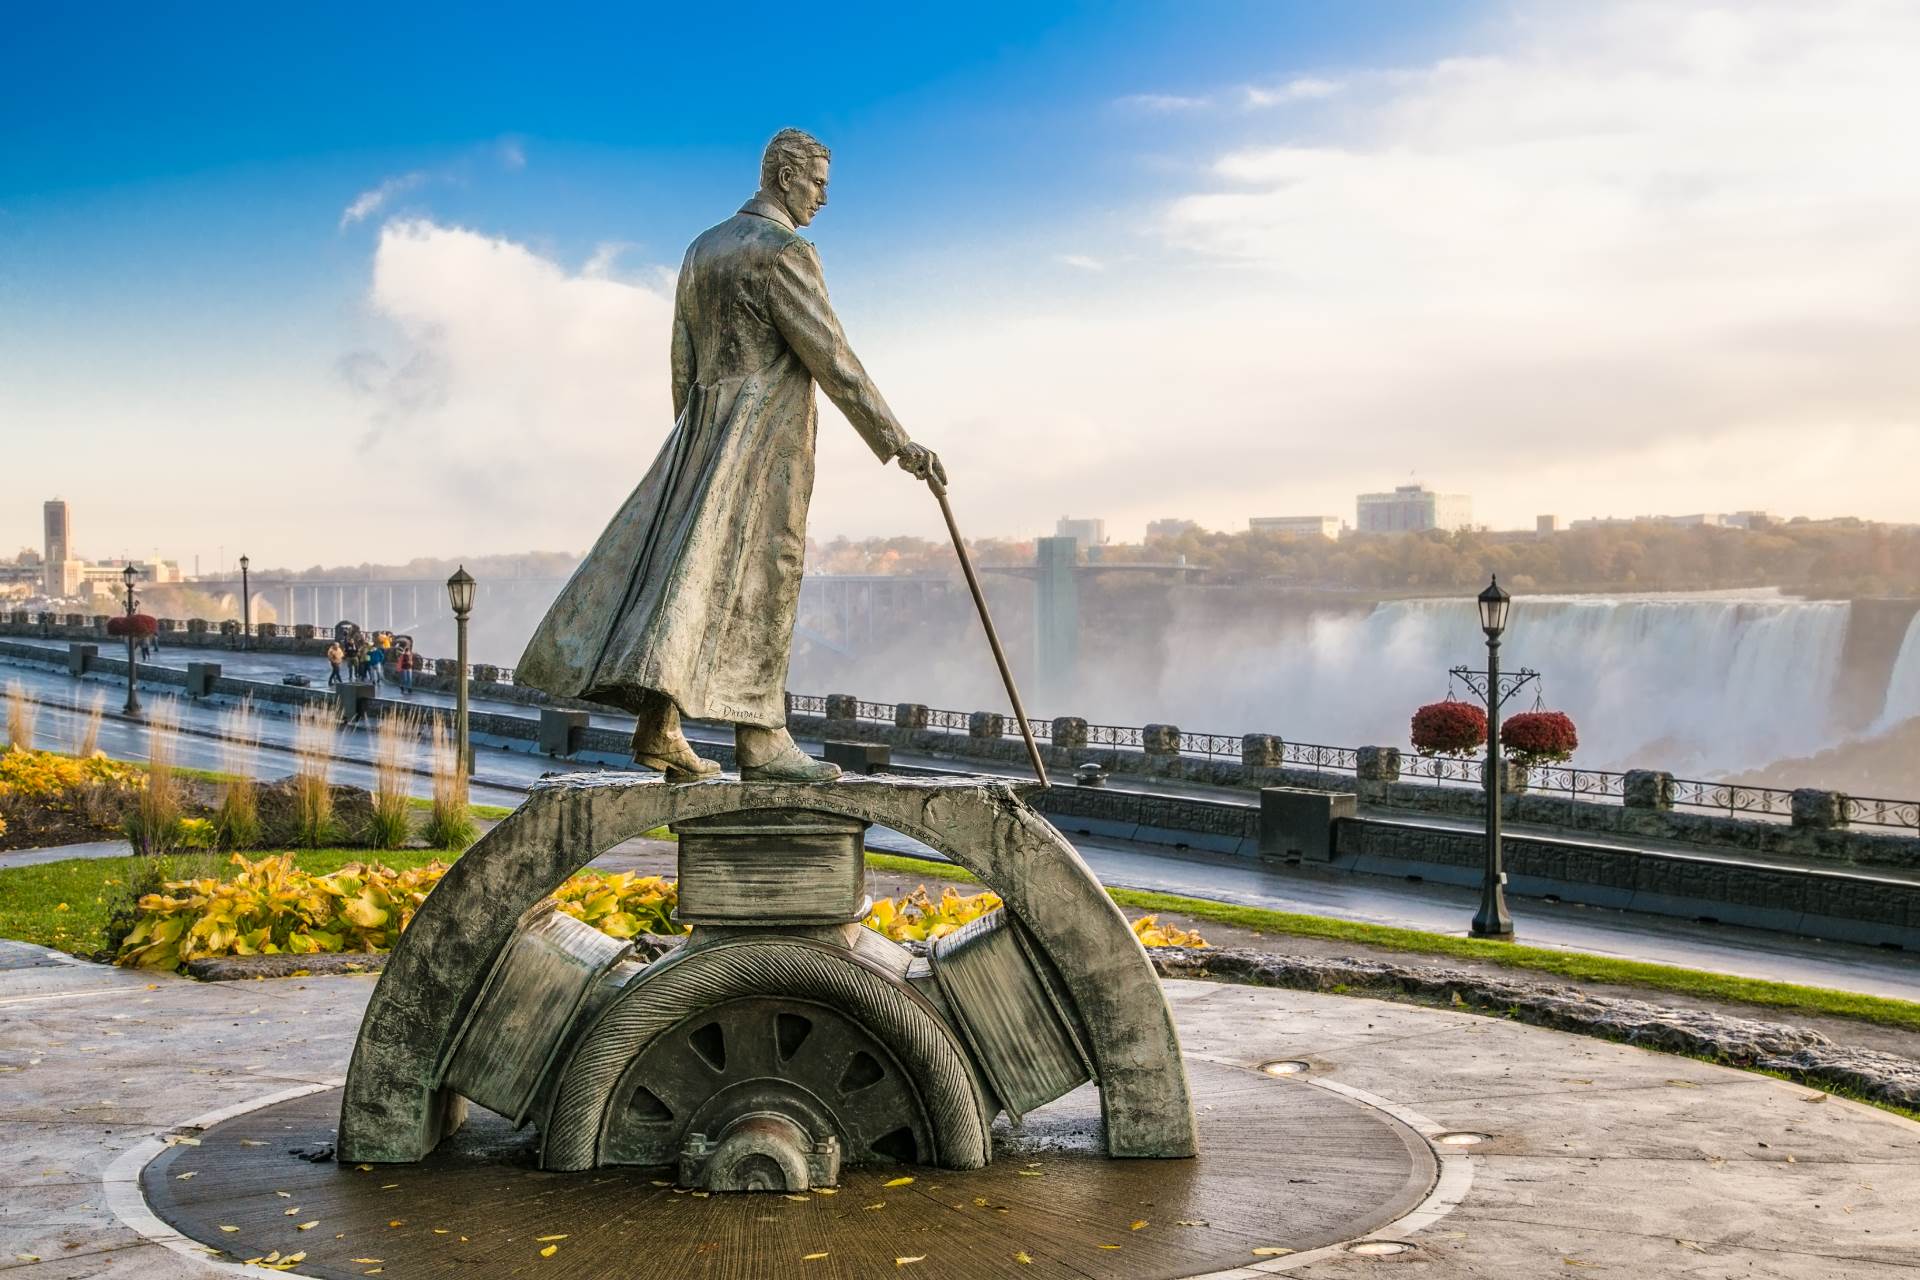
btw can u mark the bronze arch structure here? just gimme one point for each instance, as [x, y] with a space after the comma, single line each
[394, 1110]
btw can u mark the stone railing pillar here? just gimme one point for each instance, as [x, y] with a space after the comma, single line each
[843, 707]
[1817, 810]
[910, 715]
[485, 673]
[986, 724]
[1262, 751]
[1069, 733]
[1160, 740]
[1377, 764]
[1647, 789]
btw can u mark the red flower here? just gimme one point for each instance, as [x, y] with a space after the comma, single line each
[1449, 728]
[142, 625]
[1539, 737]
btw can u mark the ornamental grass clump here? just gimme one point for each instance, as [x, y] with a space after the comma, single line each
[21, 715]
[391, 824]
[236, 824]
[152, 823]
[450, 823]
[86, 726]
[313, 738]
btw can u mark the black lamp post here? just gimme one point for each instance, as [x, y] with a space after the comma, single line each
[1492, 920]
[460, 596]
[246, 607]
[128, 576]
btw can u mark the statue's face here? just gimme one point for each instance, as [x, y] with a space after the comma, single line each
[805, 190]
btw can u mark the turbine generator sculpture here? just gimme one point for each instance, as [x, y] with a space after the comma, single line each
[782, 1040]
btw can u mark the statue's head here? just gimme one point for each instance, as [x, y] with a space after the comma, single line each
[793, 171]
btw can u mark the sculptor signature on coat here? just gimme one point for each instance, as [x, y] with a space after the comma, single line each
[685, 606]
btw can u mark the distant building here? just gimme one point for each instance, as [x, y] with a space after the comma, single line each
[1413, 508]
[1546, 524]
[1698, 520]
[1172, 527]
[1297, 526]
[62, 572]
[1087, 533]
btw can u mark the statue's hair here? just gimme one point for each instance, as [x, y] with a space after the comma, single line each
[793, 147]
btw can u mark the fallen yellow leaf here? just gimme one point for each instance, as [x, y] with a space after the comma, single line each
[1106, 1246]
[397, 1222]
[826, 1191]
[544, 1239]
[229, 1229]
[901, 1262]
[308, 1226]
[1137, 1224]
[1031, 1173]
[881, 1205]
[813, 1257]
[364, 1168]
[194, 1173]
[899, 1182]
[1023, 1259]
[550, 1250]
[1271, 1251]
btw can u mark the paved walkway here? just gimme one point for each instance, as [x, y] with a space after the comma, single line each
[1600, 1156]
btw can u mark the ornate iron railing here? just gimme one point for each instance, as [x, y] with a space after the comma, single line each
[1867, 811]
[1597, 785]
[1732, 799]
[1311, 755]
[1444, 769]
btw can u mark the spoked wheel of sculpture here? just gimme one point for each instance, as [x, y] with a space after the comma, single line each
[743, 1060]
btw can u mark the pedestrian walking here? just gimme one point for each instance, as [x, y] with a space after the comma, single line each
[404, 660]
[376, 662]
[335, 656]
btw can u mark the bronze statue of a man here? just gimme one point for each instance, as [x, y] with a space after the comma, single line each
[685, 605]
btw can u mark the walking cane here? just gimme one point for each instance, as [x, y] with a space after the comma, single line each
[986, 620]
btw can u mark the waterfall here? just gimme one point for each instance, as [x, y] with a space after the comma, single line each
[1903, 689]
[1699, 684]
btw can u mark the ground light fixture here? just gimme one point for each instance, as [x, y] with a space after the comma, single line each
[1285, 1067]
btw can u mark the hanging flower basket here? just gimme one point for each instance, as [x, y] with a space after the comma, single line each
[1539, 737]
[140, 624]
[1449, 728]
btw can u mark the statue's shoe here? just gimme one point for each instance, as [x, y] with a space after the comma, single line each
[679, 767]
[791, 765]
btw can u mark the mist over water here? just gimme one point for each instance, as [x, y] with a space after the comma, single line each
[1704, 685]
[1695, 685]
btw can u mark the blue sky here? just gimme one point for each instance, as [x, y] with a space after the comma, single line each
[1199, 259]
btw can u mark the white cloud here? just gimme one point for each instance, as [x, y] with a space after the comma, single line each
[370, 202]
[541, 394]
[1082, 262]
[1303, 89]
[1167, 102]
[512, 153]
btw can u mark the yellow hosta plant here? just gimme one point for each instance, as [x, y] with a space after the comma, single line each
[621, 904]
[1154, 934]
[54, 780]
[271, 906]
[918, 918]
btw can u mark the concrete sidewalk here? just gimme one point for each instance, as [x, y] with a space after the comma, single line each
[1598, 1155]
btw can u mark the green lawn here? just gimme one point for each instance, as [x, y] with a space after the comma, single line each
[1572, 965]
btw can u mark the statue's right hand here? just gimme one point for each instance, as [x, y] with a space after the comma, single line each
[918, 460]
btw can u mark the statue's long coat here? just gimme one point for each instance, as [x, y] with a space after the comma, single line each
[692, 589]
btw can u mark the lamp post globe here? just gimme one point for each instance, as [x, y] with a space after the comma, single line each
[1494, 603]
[129, 576]
[1492, 920]
[246, 607]
[460, 596]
